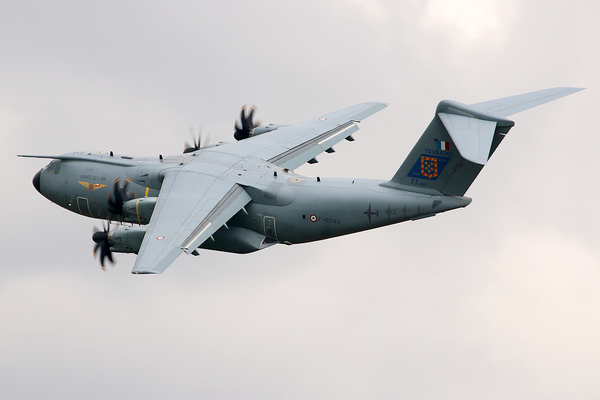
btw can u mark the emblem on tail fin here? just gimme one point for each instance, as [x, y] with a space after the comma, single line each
[429, 167]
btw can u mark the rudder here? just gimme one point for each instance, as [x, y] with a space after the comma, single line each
[453, 149]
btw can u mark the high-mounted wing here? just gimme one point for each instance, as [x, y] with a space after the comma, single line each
[190, 208]
[192, 205]
[292, 146]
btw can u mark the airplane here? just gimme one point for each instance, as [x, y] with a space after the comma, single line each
[244, 196]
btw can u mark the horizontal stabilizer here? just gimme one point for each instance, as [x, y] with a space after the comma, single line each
[459, 141]
[514, 104]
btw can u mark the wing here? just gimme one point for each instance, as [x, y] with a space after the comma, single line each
[514, 104]
[190, 208]
[295, 145]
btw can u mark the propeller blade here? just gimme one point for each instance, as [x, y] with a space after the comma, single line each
[197, 142]
[96, 248]
[207, 141]
[102, 245]
[118, 196]
[247, 124]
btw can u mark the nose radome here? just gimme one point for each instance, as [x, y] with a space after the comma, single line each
[36, 181]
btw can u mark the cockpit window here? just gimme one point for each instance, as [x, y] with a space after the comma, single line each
[54, 166]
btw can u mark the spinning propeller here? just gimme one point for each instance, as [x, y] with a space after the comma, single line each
[101, 240]
[248, 125]
[119, 195]
[197, 144]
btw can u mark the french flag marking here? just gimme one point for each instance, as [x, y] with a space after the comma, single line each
[443, 145]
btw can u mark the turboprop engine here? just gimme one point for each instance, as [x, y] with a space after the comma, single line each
[125, 239]
[267, 128]
[246, 127]
[128, 239]
[139, 211]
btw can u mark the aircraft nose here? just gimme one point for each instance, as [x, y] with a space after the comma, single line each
[36, 181]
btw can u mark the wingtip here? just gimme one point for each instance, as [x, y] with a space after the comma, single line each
[36, 156]
[569, 89]
[381, 103]
[146, 272]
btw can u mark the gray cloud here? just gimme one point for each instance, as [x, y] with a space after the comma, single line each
[497, 300]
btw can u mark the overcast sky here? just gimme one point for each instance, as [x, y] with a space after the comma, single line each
[498, 300]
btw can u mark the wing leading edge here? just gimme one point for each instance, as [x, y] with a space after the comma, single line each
[191, 207]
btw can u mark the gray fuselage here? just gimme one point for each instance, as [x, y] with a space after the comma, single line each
[285, 207]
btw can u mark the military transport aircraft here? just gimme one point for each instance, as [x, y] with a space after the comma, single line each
[244, 196]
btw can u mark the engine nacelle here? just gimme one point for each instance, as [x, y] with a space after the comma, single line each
[126, 239]
[267, 128]
[238, 240]
[139, 211]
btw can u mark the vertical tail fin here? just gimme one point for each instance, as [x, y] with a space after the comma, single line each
[460, 140]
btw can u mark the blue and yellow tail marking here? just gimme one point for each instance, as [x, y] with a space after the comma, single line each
[428, 167]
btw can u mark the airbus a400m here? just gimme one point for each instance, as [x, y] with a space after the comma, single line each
[244, 196]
